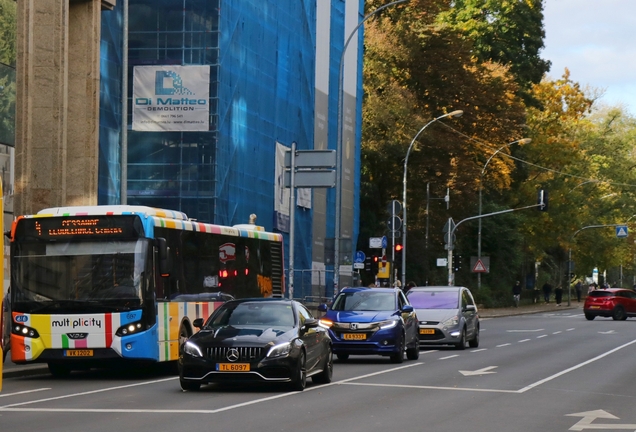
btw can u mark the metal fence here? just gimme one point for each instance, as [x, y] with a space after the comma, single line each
[313, 286]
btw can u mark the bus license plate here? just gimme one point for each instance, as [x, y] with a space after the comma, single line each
[233, 367]
[354, 336]
[79, 353]
[427, 331]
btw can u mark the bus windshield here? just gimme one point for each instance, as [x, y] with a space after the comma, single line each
[88, 276]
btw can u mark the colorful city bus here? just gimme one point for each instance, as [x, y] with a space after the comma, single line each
[101, 284]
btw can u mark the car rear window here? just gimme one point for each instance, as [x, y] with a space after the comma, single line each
[601, 293]
[434, 299]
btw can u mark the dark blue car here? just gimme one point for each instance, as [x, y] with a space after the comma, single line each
[372, 321]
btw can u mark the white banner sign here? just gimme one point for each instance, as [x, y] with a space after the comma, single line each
[171, 98]
[281, 193]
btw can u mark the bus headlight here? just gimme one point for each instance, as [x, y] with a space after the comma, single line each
[130, 328]
[22, 330]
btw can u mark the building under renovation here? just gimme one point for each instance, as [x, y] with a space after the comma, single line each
[215, 92]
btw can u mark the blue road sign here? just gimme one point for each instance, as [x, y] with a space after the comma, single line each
[621, 231]
[360, 256]
[385, 243]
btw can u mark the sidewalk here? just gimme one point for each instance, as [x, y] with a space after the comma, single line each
[12, 370]
[525, 309]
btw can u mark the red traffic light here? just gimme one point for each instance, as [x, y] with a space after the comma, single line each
[398, 248]
[375, 258]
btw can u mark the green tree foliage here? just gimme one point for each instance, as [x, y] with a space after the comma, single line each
[8, 29]
[415, 71]
[508, 32]
[7, 71]
[426, 58]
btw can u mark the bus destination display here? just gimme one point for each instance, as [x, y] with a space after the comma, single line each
[77, 227]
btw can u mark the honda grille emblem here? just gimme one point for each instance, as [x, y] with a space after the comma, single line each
[233, 355]
[354, 326]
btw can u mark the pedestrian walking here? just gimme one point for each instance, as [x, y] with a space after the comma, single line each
[409, 286]
[579, 289]
[516, 293]
[547, 290]
[558, 295]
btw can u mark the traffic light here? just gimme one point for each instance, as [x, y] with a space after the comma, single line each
[457, 262]
[367, 263]
[398, 248]
[375, 261]
[542, 200]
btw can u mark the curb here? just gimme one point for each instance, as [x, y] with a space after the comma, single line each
[24, 371]
[495, 314]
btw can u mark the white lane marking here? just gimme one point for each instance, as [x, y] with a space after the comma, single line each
[342, 382]
[542, 336]
[524, 340]
[449, 357]
[24, 392]
[589, 416]
[570, 329]
[503, 345]
[524, 331]
[18, 406]
[480, 349]
[580, 365]
[89, 392]
[557, 332]
[482, 371]
[435, 388]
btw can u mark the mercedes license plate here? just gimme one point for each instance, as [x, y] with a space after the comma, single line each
[233, 367]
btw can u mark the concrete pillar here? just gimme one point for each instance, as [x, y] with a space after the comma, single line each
[57, 103]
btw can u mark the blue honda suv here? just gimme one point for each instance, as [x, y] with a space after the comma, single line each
[372, 321]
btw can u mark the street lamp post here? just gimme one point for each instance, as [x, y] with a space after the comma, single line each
[481, 182]
[336, 273]
[456, 113]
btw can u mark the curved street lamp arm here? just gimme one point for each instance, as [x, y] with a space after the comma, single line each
[522, 140]
[456, 113]
[593, 226]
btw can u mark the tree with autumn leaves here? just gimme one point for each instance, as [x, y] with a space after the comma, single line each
[425, 58]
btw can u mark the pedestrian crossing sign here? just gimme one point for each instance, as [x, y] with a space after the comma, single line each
[621, 231]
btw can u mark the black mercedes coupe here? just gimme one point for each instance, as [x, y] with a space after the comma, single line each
[260, 339]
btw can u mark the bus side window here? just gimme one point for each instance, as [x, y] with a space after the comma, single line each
[165, 259]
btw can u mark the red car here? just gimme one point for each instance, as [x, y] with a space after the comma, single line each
[617, 303]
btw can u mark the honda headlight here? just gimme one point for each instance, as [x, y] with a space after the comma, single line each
[453, 321]
[324, 322]
[279, 350]
[384, 325]
[192, 349]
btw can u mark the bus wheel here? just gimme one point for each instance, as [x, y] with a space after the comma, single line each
[184, 335]
[59, 370]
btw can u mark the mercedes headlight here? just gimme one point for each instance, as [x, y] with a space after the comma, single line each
[279, 350]
[192, 349]
[453, 321]
[384, 325]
